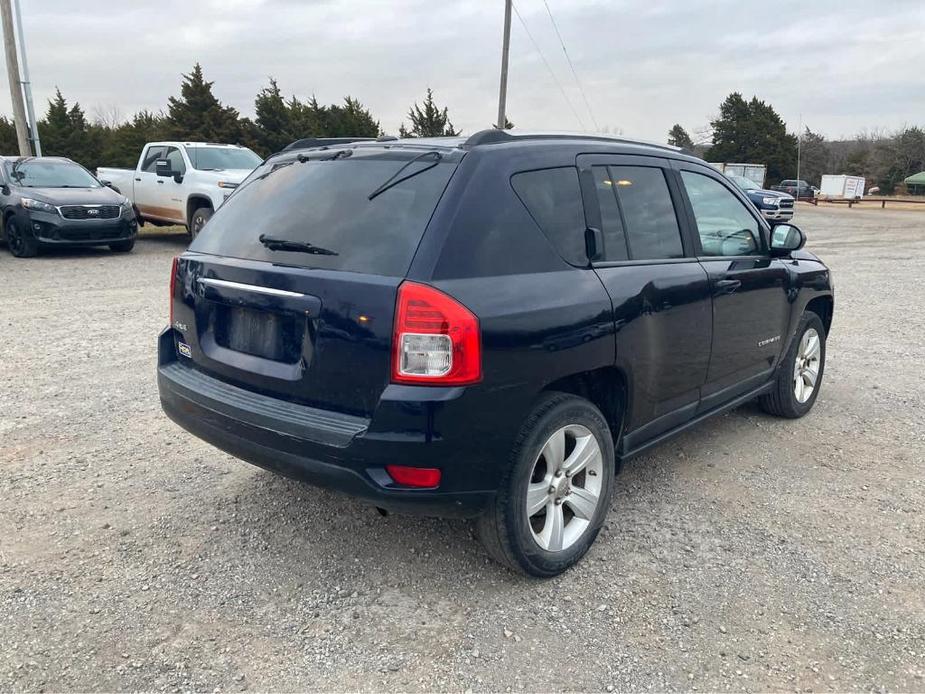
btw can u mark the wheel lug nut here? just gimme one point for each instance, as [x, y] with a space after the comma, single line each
[552, 490]
[558, 502]
[558, 473]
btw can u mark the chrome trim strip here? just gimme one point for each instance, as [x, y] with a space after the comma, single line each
[212, 282]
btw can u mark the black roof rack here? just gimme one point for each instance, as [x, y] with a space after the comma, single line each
[309, 142]
[495, 136]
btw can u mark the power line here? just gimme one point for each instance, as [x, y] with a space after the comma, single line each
[574, 74]
[549, 67]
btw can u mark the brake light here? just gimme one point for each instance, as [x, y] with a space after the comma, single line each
[173, 285]
[421, 477]
[436, 339]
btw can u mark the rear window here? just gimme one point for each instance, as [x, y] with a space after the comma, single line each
[326, 203]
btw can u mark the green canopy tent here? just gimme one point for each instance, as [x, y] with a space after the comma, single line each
[916, 183]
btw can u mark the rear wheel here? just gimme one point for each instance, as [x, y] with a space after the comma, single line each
[19, 240]
[122, 246]
[551, 505]
[199, 220]
[799, 376]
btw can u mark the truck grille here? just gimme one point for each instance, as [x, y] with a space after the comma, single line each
[90, 211]
[786, 204]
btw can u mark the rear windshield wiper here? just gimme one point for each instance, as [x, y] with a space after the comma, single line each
[275, 244]
[396, 177]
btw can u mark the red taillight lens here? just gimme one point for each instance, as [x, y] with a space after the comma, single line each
[436, 339]
[173, 285]
[422, 477]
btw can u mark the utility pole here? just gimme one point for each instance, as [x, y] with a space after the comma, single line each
[505, 51]
[12, 70]
[799, 147]
[26, 83]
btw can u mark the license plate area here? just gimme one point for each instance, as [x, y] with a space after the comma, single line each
[260, 333]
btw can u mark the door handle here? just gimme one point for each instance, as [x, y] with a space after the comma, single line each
[727, 286]
[161, 182]
[137, 179]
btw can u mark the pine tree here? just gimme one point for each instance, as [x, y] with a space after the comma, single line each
[678, 137]
[753, 132]
[199, 115]
[8, 142]
[65, 132]
[429, 121]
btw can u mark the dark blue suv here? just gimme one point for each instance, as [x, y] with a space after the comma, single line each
[486, 327]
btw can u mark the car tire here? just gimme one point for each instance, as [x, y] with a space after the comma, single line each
[20, 241]
[122, 246]
[198, 221]
[560, 432]
[799, 375]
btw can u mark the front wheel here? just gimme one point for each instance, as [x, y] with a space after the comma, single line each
[799, 376]
[19, 240]
[199, 220]
[553, 501]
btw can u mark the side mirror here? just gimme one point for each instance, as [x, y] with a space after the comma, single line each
[108, 184]
[162, 168]
[5, 189]
[785, 239]
[177, 177]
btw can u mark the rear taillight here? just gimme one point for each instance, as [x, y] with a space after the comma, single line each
[436, 339]
[173, 285]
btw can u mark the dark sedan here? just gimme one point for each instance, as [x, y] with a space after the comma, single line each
[773, 205]
[53, 201]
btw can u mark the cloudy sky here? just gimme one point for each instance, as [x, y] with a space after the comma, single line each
[844, 65]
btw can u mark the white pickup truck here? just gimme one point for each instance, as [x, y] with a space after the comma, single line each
[181, 182]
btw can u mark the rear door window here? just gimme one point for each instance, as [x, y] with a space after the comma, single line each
[326, 203]
[553, 199]
[636, 207]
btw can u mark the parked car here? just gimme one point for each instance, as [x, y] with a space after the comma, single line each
[772, 204]
[53, 201]
[181, 182]
[796, 188]
[486, 327]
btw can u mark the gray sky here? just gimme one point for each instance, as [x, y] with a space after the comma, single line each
[845, 65]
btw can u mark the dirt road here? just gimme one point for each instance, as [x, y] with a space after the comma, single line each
[749, 554]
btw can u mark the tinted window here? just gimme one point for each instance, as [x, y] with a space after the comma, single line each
[151, 157]
[176, 160]
[724, 224]
[652, 231]
[216, 158]
[611, 222]
[553, 198]
[326, 204]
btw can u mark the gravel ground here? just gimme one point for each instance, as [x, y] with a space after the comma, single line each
[749, 554]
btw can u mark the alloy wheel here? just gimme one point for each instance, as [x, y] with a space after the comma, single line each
[806, 367]
[564, 491]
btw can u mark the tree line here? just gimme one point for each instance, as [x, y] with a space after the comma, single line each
[753, 132]
[198, 115]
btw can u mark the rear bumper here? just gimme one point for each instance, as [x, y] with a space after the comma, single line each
[327, 449]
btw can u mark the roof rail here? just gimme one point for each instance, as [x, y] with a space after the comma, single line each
[309, 142]
[495, 136]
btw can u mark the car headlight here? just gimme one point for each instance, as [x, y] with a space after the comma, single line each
[38, 206]
[228, 185]
[127, 205]
[771, 201]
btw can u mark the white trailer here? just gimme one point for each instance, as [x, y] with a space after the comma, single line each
[753, 172]
[841, 187]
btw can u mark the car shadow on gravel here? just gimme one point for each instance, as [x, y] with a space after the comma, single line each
[312, 529]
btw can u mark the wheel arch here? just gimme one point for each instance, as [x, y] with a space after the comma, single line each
[194, 202]
[822, 306]
[606, 388]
